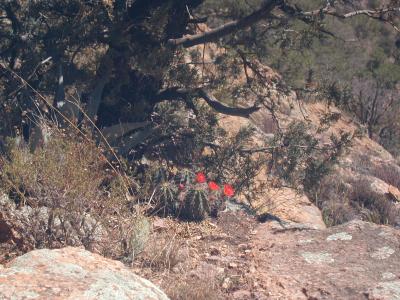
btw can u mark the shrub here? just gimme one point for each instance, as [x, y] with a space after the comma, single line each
[66, 194]
[333, 200]
[300, 160]
[389, 173]
[344, 199]
[373, 207]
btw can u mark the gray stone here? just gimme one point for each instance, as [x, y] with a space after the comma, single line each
[388, 276]
[72, 273]
[382, 253]
[317, 257]
[341, 236]
[387, 291]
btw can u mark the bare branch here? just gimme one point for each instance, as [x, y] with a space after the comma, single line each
[228, 28]
[231, 27]
[377, 14]
[219, 107]
[184, 94]
[368, 12]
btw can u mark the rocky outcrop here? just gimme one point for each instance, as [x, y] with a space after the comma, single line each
[356, 260]
[287, 204]
[72, 273]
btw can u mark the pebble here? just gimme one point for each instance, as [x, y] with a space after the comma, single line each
[232, 265]
[215, 251]
[227, 283]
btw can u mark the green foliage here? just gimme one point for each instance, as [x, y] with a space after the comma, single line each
[300, 160]
[228, 162]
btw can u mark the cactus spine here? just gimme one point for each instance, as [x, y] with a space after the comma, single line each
[196, 205]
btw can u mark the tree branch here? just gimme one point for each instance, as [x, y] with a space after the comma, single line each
[368, 12]
[331, 11]
[183, 94]
[221, 108]
[228, 28]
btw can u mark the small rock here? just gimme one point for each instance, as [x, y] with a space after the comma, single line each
[243, 247]
[227, 283]
[5, 200]
[232, 265]
[388, 276]
[215, 251]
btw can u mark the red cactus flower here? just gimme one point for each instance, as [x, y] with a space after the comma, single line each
[181, 187]
[200, 177]
[228, 190]
[213, 186]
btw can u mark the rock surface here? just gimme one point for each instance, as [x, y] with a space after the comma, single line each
[289, 205]
[72, 273]
[356, 260]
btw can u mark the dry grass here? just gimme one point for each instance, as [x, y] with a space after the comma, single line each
[343, 200]
[66, 195]
[390, 173]
[163, 252]
[195, 289]
[373, 207]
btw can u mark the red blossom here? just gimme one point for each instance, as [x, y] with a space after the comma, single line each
[181, 187]
[228, 190]
[200, 177]
[213, 186]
